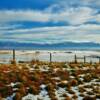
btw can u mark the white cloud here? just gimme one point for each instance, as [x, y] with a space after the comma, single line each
[8, 26]
[74, 16]
[55, 34]
[91, 2]
[97, 18]
[23, 15]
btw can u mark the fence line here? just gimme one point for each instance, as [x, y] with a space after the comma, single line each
[51, 56]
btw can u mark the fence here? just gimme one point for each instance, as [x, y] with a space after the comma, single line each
[47, 56]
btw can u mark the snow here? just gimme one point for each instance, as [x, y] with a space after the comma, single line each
[44, 55]
[30, 97]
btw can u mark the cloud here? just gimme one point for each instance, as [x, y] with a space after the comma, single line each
[93, 3]
[78, 3]
[23, 15]
[97, 18]
[74, 16]
[81, 16]
[10, 26]
[55, 34]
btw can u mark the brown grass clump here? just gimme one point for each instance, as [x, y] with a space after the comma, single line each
[63, 84]
[89, 98]
[53, 98]
[68, 98]
[64, 75]
[64, 95]
[1, 97]
[87, 78]
[34, 89]
[90, 93]
[82, 89]
[18, 96]
[82, 94]
[98, 96]
[71, 92]
[22, 91]
[74, 96]
[73, 82]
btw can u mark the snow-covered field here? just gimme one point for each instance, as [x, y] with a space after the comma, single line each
[50, 81]
[43, 55]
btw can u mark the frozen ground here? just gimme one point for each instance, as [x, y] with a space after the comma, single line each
[6, 56]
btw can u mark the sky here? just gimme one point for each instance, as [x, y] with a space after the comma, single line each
[50, 21]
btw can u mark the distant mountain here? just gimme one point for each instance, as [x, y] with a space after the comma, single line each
[59, 46]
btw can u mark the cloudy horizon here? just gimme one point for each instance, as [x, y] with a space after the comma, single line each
[50, 21]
